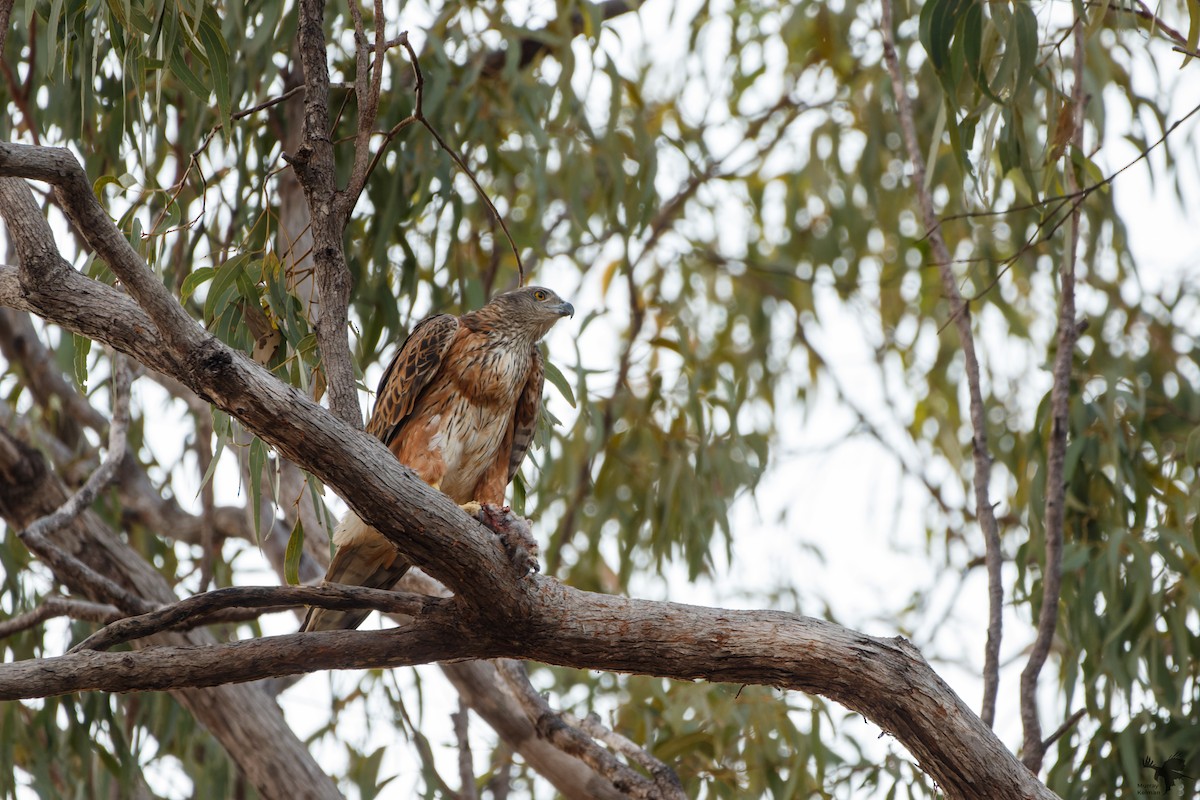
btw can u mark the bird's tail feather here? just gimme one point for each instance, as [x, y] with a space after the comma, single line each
[364, 557]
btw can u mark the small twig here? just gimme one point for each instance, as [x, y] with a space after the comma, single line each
[1078, 194]
[1142, 12]
[71, 570]
[56, 606]
[664, 777]
[204, 457]
[1034, 749]
[205, 606]
[419, 116]
[466, 771]
[960, 314]
[554, 728]
[366, 93]
[500, 784]
[1062, 729]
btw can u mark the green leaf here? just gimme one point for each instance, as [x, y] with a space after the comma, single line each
[192, 282]
[972, 36]
[559, 381]
[1024, 32]
[1193, 37]
[258, 460]
[83, 346]
[218, 61]
[181, 70]
[291, 556]
[224, 287]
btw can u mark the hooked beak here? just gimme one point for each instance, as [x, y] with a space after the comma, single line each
[565, 309]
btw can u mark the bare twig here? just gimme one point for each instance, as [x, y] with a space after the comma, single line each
[664, 777]
[56, 606]
[367, 94]
[1061, 730]
[1034, 748]
[466, 771]
[552, 726]
[960, 314]
[70, 569]
[419, 115]
[202, 607]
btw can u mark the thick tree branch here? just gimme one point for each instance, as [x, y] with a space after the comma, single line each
[886, 680]
[961, 315]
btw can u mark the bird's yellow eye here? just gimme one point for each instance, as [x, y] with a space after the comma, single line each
[539, 295]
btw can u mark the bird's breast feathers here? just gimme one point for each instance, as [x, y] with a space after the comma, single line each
[463, 420]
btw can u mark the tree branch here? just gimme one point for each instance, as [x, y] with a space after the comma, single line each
[886, 680]
[1034, 748]
[197, 609]
[313, 164]
[488, 695]
[466, 772]
[367, 93]
[570, 739]
[960, 314]
[243, 719]
[55, 606]
[67, 568]
[530, 47]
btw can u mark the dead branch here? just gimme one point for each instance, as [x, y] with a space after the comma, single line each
[56, 606]
[196, 610]
[67, 568]
[570, 739]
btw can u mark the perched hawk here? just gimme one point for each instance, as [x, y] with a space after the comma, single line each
[458, 405]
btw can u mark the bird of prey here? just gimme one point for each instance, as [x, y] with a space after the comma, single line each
[1169, 772]
[458, 404]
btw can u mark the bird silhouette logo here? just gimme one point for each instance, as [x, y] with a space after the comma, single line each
[1169, 772]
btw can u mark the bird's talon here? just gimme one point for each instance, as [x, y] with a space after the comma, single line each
[472, 508]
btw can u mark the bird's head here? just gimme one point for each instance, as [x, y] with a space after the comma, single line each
[533, 309]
